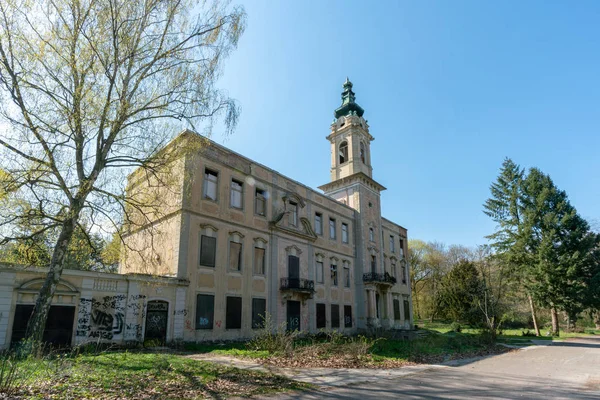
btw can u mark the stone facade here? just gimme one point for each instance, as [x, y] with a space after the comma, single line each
[237, 240]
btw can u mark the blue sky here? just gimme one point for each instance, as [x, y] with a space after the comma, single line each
[450, 88]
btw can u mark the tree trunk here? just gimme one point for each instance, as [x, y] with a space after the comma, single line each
[597, 319]
[39, 315]
[535, 324]
[555, 326]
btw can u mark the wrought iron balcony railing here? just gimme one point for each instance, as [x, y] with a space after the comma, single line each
[375, 277]
[301, 285]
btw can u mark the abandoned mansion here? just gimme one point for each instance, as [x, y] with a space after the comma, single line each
[237, 242]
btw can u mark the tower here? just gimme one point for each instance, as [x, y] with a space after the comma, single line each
[352, 183]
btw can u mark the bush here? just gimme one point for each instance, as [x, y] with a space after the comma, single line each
[273, 338]
[528, 333]
[455, 327]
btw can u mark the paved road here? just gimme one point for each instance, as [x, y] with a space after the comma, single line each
[563, 370]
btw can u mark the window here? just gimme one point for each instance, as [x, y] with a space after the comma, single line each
[321, 317]
[260, 202]
[334, 276]
[344, 233]
[205, 311]
[320, 272]
[332, 233]
[335, 316]
[293, 213]
[401, 248]
[259, 261]
[259, 308]
[373, 264]
[392, 247]
[211, 184]
[235, 256]
[346, 277]
[208, 246]
[348, 316]
[406, 310]
[319, 223]
[237, 198]
[343, 153]
[396, 309]
[371, 235]
[233, 313]
[394, 272]
[404, 273]
[362, 153]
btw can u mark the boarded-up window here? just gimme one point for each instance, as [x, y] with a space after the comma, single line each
[406, 310]
[321, 317]
[235, 256]
[319, 272]
[233, 317]
[396, 309]
[258, 313]
[208, 247]
[205, 311]
[348, 316]
[259, 261]
[335, 316]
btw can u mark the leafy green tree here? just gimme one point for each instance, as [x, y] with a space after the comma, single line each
[461, 289]
[90, 90]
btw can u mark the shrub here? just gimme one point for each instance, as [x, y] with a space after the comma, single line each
[274, 338]
[455, 327]
[527, 333]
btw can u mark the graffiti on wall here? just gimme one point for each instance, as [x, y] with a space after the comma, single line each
[136, 312]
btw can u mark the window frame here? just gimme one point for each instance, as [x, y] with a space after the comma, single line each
[293, 217]
[346, 277]
[371, 235]
[211, 322]
[321, 278]
[392, 244]
[214, 258]
[240, 191]
[332, 229]
[207, 173]
[334, 274]
[229, 312]
[240, 257]
[347, 313]
[343, 153]
[319, 217]
[263, 267]
[261, 322]
[323, 320]
[346, 233]
[363, 152]
[335, 325]
[260, 195]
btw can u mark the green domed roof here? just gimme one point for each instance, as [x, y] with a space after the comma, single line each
[349, 105]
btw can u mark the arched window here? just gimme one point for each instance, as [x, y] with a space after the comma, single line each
[343, 153]
[363, 154]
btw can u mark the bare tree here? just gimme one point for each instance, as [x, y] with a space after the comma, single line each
[89, 91]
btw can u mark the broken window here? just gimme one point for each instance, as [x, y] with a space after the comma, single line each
[236, 194]
[205, 311]
[335, 316]
[233, 313]
[260, 202]
[259, 307]
[208, 247]
[211, 184]
[348, 316]
[344, 233]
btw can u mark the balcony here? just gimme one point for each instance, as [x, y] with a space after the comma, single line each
[381, 279]
[297, 285]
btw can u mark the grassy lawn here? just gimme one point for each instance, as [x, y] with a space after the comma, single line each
[513, 336]
[131, 375]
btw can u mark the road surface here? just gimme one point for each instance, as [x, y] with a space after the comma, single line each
[562, 370]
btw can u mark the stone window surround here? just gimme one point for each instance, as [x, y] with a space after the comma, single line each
[261, 244]
[235, 237]
[210, 231]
